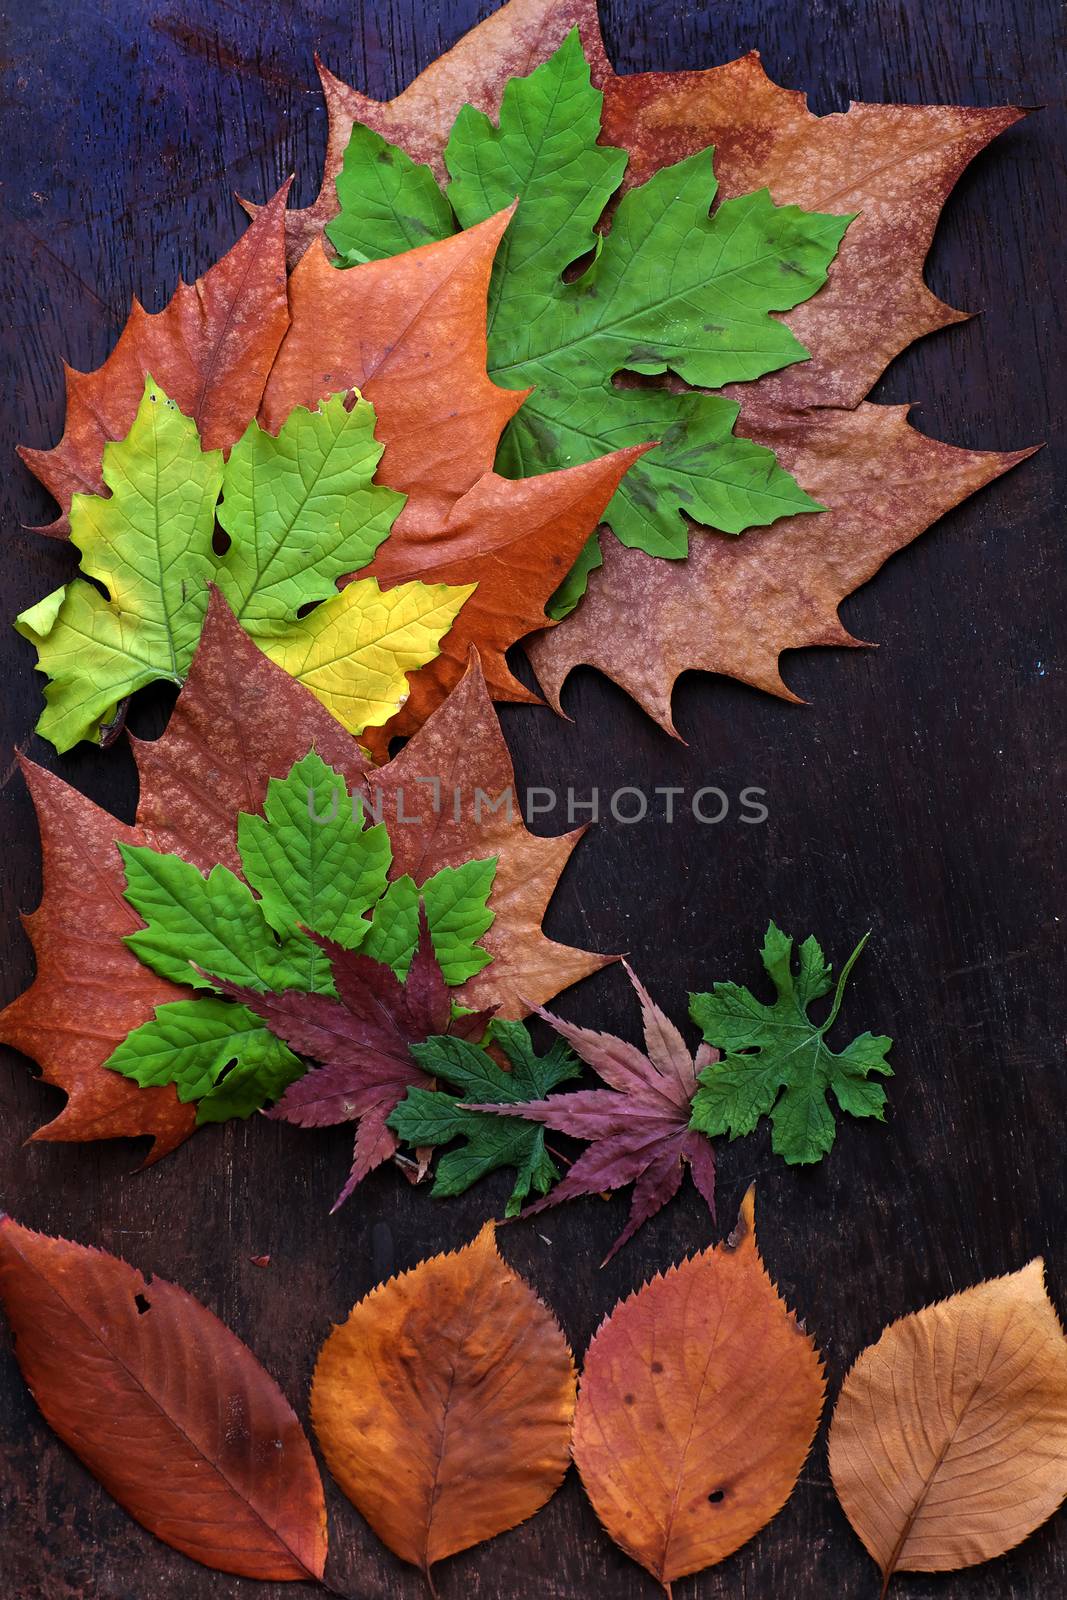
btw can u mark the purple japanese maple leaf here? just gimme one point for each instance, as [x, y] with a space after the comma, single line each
[638, 1127]
[362, 1041]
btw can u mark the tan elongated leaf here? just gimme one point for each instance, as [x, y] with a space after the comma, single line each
[443, 1404]
[699, 1400]
[949, 1441]
[165, 1406]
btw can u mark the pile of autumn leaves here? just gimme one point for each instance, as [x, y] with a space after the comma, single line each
[324, 503]
[446, 1408]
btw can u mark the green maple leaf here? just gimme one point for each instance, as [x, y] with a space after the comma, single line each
[310, 862]
[300, 511]
[456, 900]
[776, 1060]
[667, 289]
[192, 1043]
[434, 1117]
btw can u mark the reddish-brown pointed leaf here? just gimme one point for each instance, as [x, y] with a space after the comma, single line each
[517, 541]
[89, 990]
[443, 1404]
[409, 333]
[239, 721]
[699, 1400]
[637, 1128]
[210, 349]
[166, 1407]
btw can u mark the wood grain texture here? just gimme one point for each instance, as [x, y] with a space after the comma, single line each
[921, 794]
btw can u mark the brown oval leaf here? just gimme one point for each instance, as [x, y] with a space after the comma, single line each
[165, 1406]
[699, 1400]
[443, 1405]
[949, 1441]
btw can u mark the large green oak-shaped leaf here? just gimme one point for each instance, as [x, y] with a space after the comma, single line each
[776, 1060]
[669, 288]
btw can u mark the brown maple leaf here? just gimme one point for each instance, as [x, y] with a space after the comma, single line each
[239, 721]
[736, 603]
[638, 1127]
[362, 1040]
[210, 349]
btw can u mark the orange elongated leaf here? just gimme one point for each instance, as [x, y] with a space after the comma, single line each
[443, 1404]
[949, 1442]
[90, 990]
[699, 1399]
[448, 798]
[210, 349]
[506, 45]
[737, 603]
[166, 1407]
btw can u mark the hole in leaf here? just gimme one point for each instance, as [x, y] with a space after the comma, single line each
[716, 1496]
[220, 541]
[142, 1304]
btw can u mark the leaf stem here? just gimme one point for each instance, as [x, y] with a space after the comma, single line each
[842, 980]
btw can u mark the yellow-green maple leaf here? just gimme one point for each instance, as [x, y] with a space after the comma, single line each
[300, 510]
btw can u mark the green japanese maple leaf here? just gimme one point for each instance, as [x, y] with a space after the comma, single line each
[299, 510]
[668, 288]
[310, 862]
[776, 1060]
[435, 1117]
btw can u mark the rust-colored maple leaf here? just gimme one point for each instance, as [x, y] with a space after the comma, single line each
[210, 349]
[737, 602]
[240, 720]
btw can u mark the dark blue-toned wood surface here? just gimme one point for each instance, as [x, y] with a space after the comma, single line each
[920, 795]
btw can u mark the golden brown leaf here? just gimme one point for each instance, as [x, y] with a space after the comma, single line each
[166, 1406]
[210, 349]
[949, 1441]
[443, 1404]
[699, 1400]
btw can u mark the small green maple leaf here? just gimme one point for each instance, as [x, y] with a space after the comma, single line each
[668, 288]
[310, 862]
[776, 1060]
[435, 1117]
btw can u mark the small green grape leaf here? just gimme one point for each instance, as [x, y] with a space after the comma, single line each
[776, 1061]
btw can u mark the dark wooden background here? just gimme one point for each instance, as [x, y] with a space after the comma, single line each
[920, 795]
